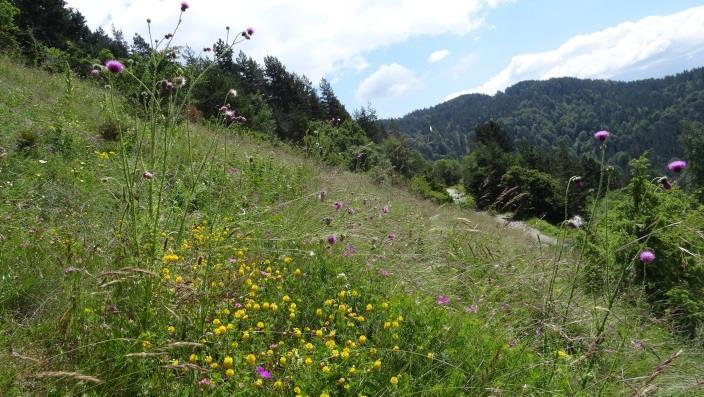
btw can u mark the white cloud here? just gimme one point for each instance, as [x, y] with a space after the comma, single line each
[315, 37]
[388, 82]
[464, 65]
[624, 48]
[438, 55]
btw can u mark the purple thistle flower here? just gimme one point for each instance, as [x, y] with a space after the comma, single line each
[677, 166]
[115, 66]
[601, 135]
[184, 6]
[392, 237]
[332, 239]
[442, 300]
[248, 33]
[263, 373]
[665, 183]
[350, 210]
[338, 205]
[385, 209]
[647, 256]
[385, 272]
[95, 73]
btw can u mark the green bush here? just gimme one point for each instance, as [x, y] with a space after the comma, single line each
[668, 222]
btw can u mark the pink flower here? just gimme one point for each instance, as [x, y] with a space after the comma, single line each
[263, 373]
[677, 166]
[184, 6]
[338, 205]
[392, 237]
[385, 272]
[205, 382]
[350, 210]
[647, 256]
[601, 135]
[332, 239]
[385, 209]
[95, 73]
[248, 33]
[442, 300]
[350, 250]
[115, 66]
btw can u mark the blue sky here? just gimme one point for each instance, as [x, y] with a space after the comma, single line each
[380, 52]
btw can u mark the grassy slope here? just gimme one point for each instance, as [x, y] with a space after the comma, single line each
[60, 206]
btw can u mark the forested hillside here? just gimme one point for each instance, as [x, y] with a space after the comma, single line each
[645, 115]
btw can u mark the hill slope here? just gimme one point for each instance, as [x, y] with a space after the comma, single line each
[448, 302]
[642, 115]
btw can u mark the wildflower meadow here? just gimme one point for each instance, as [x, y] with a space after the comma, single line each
[149, 249]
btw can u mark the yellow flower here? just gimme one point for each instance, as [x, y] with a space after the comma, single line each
[352, 371]
[341, 381]
[274, 307]
[362, 339]
[260, 325]
[309, 346]
[394, 380]
[563, 354]
[147, 344]
[229, 373]
[326, 369]
[286, 298]
[319, 312]
[278, 384]
[178, 280]
[309, 361]
[297, 332]
[297, 272]
[369, 307]
[377, 364]
[297, 390]
[431, 355]
[171, 329]
[251, 359]
[259, 383]
[170, 258]
[217, 321]
[227, 362]
[214, 365]
[384, 305]
[193, 358]
[345, 354]
[282, 360]
[288, 260]
[323, 394]
[208, 359]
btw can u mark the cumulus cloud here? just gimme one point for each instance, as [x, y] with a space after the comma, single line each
[612, 52]
[388, 82]
[314, 37]
[438, 55]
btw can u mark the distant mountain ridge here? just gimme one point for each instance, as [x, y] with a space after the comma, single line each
[642, 115]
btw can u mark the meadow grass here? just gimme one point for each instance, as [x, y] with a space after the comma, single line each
[411, 299]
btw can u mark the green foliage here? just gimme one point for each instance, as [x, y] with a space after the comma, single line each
[27, 140]
[666, 221]
[333, 142]
[692, 139]
[484, 167]
[447, 171]
[420, 186]
[7, 16]
[528, 192]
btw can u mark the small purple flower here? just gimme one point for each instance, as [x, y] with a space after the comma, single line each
[332, 239]
[385, 272]
[392, 237]
[647, 256]
[601, 135]
[115, 66]
[184, 6]
[168, 85]
[248, 33]
[205, 382]
[442, 300]
[338, 205]
[70, 270]
[350, 250]
[95, 73]
[263, 373]
[385, 209]
[471, 309]
[638, 344]
[148, 175]
[350, 210]
[232, 260]
[677, 166]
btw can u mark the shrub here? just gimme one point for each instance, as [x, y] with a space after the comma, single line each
[668, 222]
[111, 129]
[27, 141]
